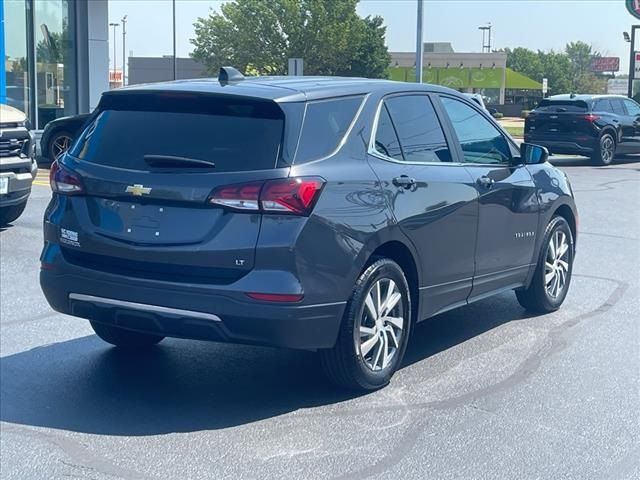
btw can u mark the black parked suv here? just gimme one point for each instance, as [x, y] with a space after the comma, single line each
[328, 214]
[597, 126]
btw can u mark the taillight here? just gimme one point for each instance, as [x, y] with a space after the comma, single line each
[291, 195]
[64, 181]
[591, 117]
[294, 196]
[238, 197]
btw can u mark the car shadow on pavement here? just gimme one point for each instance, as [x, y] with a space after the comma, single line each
[84, 385]
[574, 161]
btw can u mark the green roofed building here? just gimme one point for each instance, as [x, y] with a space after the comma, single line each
[484, 73]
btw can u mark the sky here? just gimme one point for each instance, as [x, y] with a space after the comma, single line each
[535, 24]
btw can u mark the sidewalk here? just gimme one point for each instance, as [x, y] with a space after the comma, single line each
[513, 125]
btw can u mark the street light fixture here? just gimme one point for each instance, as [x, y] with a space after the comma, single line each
[114, 25]
[626, 36]
[486, 45]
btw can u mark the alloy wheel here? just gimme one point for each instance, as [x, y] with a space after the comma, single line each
[381, 324]
[60, 145]
[556, 265]
[607, 149]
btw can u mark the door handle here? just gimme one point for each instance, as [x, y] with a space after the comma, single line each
[404, 182]
[486, 181]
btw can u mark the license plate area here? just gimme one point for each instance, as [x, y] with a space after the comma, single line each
[4, 185]
[151, 224]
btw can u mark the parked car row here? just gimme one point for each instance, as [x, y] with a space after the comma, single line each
[326, 214]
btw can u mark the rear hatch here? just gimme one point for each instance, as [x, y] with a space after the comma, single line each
[148, 163]
[558, 118]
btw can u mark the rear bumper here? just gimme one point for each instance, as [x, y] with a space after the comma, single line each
[204, 312]
[565, 147]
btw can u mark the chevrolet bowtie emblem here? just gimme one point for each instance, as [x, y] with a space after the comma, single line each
[138, 190]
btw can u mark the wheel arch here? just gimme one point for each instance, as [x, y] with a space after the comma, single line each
[401, 254]
[567, 213]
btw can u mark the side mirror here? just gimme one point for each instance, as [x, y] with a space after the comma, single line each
[531, 154]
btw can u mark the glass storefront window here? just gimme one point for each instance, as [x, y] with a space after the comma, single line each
[17, 85]
[55, 62]
[39, 71]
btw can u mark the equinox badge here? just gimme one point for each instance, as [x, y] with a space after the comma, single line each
[138, 190]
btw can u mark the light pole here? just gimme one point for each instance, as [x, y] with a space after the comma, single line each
[124, 40]
[486, 45]
[632, 57]
[419, 43]
[175, 64]
[114, 25]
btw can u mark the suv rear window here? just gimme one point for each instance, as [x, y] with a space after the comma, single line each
[562, 106]
[234, 134]
[325, 124]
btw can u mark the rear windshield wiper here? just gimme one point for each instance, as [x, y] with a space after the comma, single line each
[173, 161]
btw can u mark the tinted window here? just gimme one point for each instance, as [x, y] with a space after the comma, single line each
[325, 124]
[602, 105]
[562, 106]
[633, 108]
[130, 127]
[419, 130]
[481, 141]
[386, 138]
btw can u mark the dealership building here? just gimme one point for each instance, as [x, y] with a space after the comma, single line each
[55, 56]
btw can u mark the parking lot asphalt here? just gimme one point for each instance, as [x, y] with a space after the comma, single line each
[486, 392]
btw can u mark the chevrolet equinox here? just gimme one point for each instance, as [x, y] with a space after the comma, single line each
[328, 214]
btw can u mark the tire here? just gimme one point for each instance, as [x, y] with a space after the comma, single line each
[59, 142]
[11, 213]
[540, 297]
[606, 150]
[121, 337]
[348, 364]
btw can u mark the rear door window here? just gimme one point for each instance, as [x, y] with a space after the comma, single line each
[326, 122]
[419, 130]
[603, 106]
[234, 135]
[386, 140]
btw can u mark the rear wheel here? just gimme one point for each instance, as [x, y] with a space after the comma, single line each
[606, 150]
[551, 279]
[11, 213]
[58, 144]
[374, 331]
[124, 338]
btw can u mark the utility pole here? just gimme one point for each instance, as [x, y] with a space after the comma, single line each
[124, 41]
[419, 43]
[632, 59]
[115, 63]
[175, 64]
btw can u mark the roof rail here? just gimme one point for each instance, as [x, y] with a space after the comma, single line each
[229, 74]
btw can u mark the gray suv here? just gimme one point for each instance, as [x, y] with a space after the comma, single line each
[327, 214]
[18, 167]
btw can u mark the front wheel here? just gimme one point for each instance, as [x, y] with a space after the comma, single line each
[121, 337]
[606, 150]
[374, 331]
[551, 279]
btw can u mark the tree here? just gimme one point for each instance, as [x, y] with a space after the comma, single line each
[258, 36]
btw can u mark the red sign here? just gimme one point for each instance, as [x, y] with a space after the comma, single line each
[605, 64]
[115, 76]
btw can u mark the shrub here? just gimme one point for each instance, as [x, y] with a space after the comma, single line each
[525, 113]
[498, 115]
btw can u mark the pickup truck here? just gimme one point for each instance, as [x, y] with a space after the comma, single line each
[18, 167]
